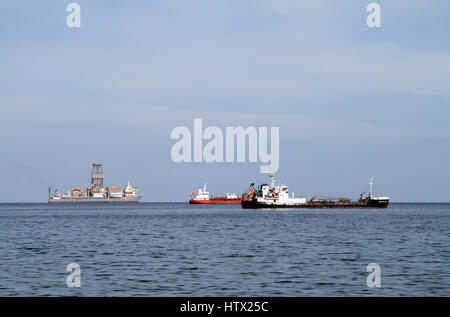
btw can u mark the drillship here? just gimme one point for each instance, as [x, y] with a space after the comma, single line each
[96, 193]
[278, 197]
[202, 197]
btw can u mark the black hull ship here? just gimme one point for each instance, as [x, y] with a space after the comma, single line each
[278, 197]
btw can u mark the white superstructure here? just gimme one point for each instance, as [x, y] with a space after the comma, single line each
[277, 195]
[202, 194]
[231, 196]
[371, 196]
[98, 192]
[129, 190]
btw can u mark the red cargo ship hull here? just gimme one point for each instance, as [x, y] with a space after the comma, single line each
[216, 200]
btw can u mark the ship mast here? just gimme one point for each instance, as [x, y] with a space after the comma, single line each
[272, 180]
[371, 187]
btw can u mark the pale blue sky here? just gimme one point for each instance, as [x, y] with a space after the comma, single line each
[351, 101]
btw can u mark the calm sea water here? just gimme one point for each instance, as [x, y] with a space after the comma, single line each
[168, 249]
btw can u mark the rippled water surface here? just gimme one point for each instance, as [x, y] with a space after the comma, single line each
[168, 249]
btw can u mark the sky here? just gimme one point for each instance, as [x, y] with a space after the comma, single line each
[351, 102]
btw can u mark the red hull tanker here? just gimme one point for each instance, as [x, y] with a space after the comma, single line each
[216, 200]
[202, 197]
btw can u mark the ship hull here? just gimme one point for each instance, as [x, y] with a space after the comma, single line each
[253, 204]
[95, 200]
[216, 201]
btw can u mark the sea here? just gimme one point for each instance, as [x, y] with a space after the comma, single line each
[177, 249]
